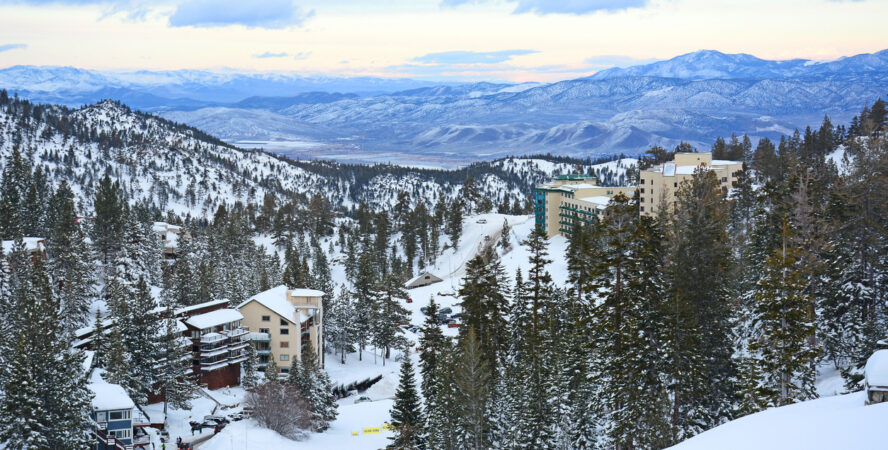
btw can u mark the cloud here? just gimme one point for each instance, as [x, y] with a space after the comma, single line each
[251, 14]
[271, 55]
[543, 7]
[470, 57]
[7, 47]
[605, 61]
[301, 55]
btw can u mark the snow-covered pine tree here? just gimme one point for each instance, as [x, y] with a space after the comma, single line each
[339, 324]
[780, 351]
[271, 369]
[699, 349]
[471, 376]
[71, 266]
[172, 377]
[249, 376]
[406, 413]
[138, 328]
[315, 386]
[388, 314]
[46, 401]
[99, 345]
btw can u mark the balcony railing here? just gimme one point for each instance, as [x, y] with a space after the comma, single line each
[237, 332]
[210, 338]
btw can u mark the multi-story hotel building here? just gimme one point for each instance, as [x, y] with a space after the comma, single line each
[658, 184]
[282, 322]
[219, 345]
[569, 199]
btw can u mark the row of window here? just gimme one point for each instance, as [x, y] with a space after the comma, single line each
[103, 416]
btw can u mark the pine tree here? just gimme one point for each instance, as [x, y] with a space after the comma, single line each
[71, 268]
[406, 412]
[249, 377]
[698, 347]
[316, 387]
[271, 369]
[99, 345]
[471, 377]
[388, 314]
[172, 375]
[782, 361]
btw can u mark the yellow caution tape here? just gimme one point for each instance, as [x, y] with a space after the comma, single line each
[371, 430]
[387, 427]
[354, 433]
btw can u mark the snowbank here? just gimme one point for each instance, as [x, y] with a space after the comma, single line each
[828, 423]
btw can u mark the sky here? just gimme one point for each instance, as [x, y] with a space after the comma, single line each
[501, 40]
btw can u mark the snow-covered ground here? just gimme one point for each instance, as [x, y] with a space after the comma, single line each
[838, 422]
[347, 431]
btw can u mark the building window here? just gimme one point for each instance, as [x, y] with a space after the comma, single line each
[285, 357]
[119, 415]
[283, 322]
[266, 318]
[642, 209]
[724, 179]
[285, 331]
[285, 370]
[121, 434]
[674, 184]
[642, 191]
[265, 330]
[285, 344]
[652, 182]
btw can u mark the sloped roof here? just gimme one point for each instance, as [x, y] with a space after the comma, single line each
[275, 299]
[214, 318]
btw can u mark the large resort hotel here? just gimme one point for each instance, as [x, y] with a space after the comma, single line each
[569, 200]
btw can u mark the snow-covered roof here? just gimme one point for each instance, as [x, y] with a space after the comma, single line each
[187, 309]
[877, 369]
[214, 318]
[306, 293]
[724, 162]
[32, 244]
[600, 201]
[109, 397]
[275, 299]
[180, 327]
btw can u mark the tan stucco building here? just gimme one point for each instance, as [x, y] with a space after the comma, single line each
[658, 184]
[572, 198]
[282, 321]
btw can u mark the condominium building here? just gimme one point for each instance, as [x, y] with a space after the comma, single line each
[571, 199]
[219, 345]
[283, 322]
[658, 184]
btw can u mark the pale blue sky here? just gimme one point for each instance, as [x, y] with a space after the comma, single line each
[517, 40]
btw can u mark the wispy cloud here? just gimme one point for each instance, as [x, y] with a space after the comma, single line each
[251, 14]
[470, 57]
[606, 61]
[301, 55]
[7, 47]
[543, 7]
[271, 55]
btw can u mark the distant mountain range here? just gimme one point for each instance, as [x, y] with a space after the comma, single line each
[694, 97]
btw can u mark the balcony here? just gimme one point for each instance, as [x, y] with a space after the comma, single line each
[211, 338]
[260, 337]
[238, 345]
[237, 332]
[214, 352]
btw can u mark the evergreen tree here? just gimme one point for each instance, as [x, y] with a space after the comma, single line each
[471, 378]
[698, 347]
[71, 264]
[175, 356]
[316, 387]
[406, 412]
[249, 377]
[271, 369]
[783, 368]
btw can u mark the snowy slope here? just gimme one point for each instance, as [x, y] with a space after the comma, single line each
[840, 422]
